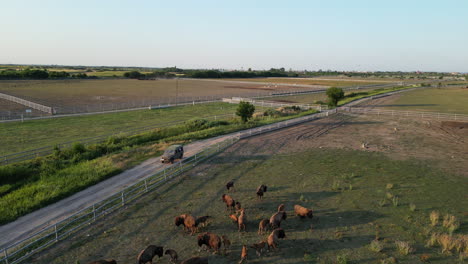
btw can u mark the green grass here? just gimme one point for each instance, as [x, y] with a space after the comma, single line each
[17, 136]
[446, 100]
[345, 221]
[33, 184]
[360, 94]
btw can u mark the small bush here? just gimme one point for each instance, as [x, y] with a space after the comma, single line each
[376, 246]
[395, 201]
[78, 148]
[403, 247]
[389, 186]
[383, 202]
[308, 258]
[412, 207]
[434, 216]
[451, 223]
[432, 240]
[341, 259]
[389, 195]
[196, 124]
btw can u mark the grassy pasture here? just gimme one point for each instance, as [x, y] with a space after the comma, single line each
[345, 188]
[448, 100]
[309, 98]
[17, 136]
[319, 81]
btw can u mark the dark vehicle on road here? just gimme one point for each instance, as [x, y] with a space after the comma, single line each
[172, 153]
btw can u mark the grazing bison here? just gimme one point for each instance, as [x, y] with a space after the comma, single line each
[230, 203]
[104, 261]
[261, 190]
[275, 220]
[274, 237]
[280, 207]
[243, 254]
[173, 254]
[149, 253]
[195, 260]
[263, 226]
[242, 220]
[212, 241]
[302, 212]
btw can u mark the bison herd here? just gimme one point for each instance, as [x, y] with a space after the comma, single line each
[216, 243]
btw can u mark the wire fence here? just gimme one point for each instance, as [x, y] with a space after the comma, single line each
[27, 103]
[29, 154]
[23, 249]
[263, 103]
[409, 114]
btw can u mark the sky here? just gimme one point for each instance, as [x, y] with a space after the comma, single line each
[360, 35]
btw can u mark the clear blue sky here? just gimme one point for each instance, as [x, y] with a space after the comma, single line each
[403, 35]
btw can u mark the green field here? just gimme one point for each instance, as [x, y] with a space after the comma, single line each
[309, 98]
[446, 100]
[352, 193]
[18, 136]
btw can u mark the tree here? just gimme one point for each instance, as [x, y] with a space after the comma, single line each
[133, 74]
[245, 110]
[334, 95]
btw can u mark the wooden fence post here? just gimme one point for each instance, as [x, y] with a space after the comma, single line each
[6, 255]
[56, 233]
[123, 199]
[94, 212]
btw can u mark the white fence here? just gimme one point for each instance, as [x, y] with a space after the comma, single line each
[27, 103]
[21, 250]
[410, 114]
[236, 100]
[29, 154]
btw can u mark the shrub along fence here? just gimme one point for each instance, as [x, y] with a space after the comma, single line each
[29, 154]
[21, 250]
[236, 100]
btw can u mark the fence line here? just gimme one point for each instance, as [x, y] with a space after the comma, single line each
[236, 100]
[21, 250]
[43, 108]
[29, 154]
[402, 113]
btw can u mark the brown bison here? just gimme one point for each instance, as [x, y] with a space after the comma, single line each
[243, 254]
[275, 220]
[173, 254]
[230, 203]
[104, 261]
[302, 212]
[263, 226]
[149, 253]
[274, 237]
[261, 190]
[212, 241]
[241, 220]
[238, 206]
[195, 260]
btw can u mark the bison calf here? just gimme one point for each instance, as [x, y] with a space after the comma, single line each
[263, 226]
[261, 190]
[173, 254]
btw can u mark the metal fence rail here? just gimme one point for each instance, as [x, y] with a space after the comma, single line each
[411, 114]
[236, 100]
[29, 154]
[23, 249]
[27, 103]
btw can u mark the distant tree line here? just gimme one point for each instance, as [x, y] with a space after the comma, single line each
[214, 74]
[38, 74]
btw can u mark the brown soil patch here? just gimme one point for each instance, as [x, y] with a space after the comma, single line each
[454, 124]
[397, 138]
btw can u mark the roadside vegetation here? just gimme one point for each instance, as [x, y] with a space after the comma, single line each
[30, 185]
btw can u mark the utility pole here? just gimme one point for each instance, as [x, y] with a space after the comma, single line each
[176, 90]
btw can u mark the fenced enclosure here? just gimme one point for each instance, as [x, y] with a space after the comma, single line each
[409, 114]
[21, 250]
[29, 154]
[262, 103]
[43, 108]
